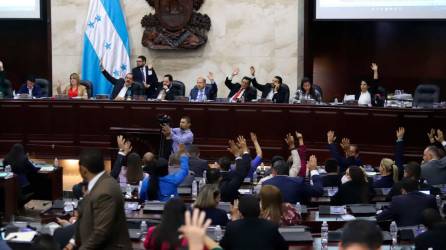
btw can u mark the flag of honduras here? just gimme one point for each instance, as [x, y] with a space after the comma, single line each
[105, 38]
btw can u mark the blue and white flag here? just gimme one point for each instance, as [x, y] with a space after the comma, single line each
[105, 38]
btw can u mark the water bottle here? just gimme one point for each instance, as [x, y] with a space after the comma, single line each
[204, 176]
[128, 191]
[218, 233]
[143, 228]
[394, 233]
[56, 162]
[324, 235]
[194, 189]
[254, 177]
[439, 201]
[336, 101]
[8, 169]
[299, 208]
[201, 184]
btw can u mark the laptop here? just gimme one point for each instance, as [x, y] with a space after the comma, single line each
[296, 234]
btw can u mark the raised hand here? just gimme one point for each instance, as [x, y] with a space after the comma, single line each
[374, 66]
[300, 138]
[431, 135]
[253, 137]
[241, 142]
[312, 163]
[400, 133]
[233, 148]
[235, 213]
[165, 129]
[194, 228]
[331, 137]
[252, 70]
[124, 145]
[235, 71]
[149, 66]
[440, 136]
[289, 139]
[345, 144]
[211, 76]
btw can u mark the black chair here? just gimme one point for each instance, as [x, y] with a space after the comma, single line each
[179, 87]
[89, 86]
[8, 86]
[140, 88]
[426, 95]
[318, 88]
[287, 95]
[44, 85]
[214, 96]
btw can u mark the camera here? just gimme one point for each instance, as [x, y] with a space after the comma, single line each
[164, 119]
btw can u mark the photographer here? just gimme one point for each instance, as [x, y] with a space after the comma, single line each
[181, 135]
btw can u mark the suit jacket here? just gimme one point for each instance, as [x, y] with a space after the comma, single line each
[37, 91]
[384, 182]
[118, 84]
[210, 91]
[102, 223]
[151, 79]
[252, 233]
[4, 89]
[396, 189]
[170, 95]
[233, 180]
[351, 193]
[406, 210]
[295, 189]
[249, 94]
[279, 97]
[331, 180]
[343, 162]
[434, 171]
[432, 238]
[198, 166]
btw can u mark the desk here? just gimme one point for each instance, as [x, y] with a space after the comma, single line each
[52, 183]
[62, 127]
[8, 187]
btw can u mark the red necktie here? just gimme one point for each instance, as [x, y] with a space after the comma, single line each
[237, 95]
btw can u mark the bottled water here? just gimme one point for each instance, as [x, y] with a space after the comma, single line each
[299, 208]
[194, 189]
[439, 201]
[128, 191]
[56, 162]
[143, 228]
[218, 233]
[201, 184]
[394, 232]
[324, 235]
[254, 177]
[8, 169]
[204, 176]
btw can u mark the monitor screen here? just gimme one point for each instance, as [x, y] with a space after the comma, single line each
[19, 9]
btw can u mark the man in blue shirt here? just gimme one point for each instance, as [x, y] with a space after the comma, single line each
[202, 91]
[181, 135]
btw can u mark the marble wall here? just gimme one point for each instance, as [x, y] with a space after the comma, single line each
[264, 33]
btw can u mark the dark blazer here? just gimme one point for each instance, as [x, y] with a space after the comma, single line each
[384, 182]
[6, 90]
[232, 180]
[198, 166]
[295, 189]
[351, 193]
[406, 209]
[102, 223]
[331, 180]
[343, 162]
[396, 189]
[117, 166]
[279, 97]
[151, 79]
[432, 238]
[210, 91]
[249, 94]
[170, 95]
[118, 84]
[37, 91]
[218, 216]
[252, 233]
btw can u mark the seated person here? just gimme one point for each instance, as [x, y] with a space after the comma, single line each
[123, 89]
[196, 164]
[174, 166]
[240, 92]
[433, 238]
[406, 209]
[433, 169]
[297, 166]
[295, 189]
[250, 231]
[307, 92]
[45, 241]
[370, 92]
[17, 158]
[332, 178]
[207, 201]
[5, 90]
[389, 174]
[351, 152]
[229, 182]
[355, 188]
[30, 88]
[274, 209]
[160, 185]
[361, 235]
[273, 91]
[165, 91]
[74, 89]
[146, 75]
[201, 92]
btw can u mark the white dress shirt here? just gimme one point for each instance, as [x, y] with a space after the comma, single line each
[270, 94]
[123, 91]
[365, 98]
[93, 181]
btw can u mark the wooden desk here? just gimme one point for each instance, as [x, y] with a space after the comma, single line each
[61, 128]
[8, 187]
[50, 185]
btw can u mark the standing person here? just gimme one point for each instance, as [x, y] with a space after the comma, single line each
[180, 135]
[101, 223]
[146, 75]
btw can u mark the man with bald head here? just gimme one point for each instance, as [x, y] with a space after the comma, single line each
[202, 92]
[433, 169]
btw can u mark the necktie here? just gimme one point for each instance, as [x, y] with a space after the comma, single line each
[237, 95]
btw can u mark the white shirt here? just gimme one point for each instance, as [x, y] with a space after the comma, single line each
[161, 95]
[270, 94]
[144, 74]
[30, 92]
[365, 98]
[93, 181]
[123, 91]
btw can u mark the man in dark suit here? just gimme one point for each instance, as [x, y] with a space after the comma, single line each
[351, 152]
[5, 90]
[101, 223]
[197, 165]
[201, 92]
[240, 92]
[295, 189]
[165, 89]
[122, 88]
[30, 88]
[251, 232]
[332, 178]
[406, 209]
[273, 91]
[433, 238]
[146, 75]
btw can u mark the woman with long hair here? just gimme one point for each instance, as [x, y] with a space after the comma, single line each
[389, 174]
[134, 169]
[74, 89]
[207, 201]
[307, 91]
[274, 209]
[20, 164]
[355, 188]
